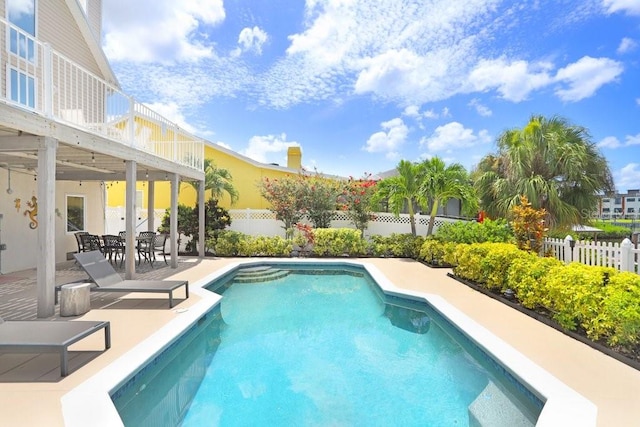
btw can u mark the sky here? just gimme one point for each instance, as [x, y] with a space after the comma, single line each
[361, 84]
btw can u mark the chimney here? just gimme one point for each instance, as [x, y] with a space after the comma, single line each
[294, 158]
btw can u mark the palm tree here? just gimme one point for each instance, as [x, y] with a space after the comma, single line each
[402, 190]
[551, 162]
[218, 181]
[440, 182]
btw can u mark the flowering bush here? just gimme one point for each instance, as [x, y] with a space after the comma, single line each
[355, 200]
[286, 198]
[528, 226]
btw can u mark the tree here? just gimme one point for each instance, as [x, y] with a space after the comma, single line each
[217, 181]
[551, 162]
[440, 182]
[402, 190]
[320, 198]
[356, 200]
[286, 197]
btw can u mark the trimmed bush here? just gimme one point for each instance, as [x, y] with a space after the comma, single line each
[338, 242]
[621, 309]
[576, 294]
[497, 231]
[228, 243]
[527, 275]
[396, 245]
[495, 264]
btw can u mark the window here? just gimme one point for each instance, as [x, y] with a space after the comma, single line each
[75, 214]
[618, 200]
[617, 210]
[21, 43]
[631, 210]
[606, 210]
[631, 199]
[605, 200]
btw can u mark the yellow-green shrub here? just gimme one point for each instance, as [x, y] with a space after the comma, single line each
[338, 241]
[576, 294]
[527, 277]
[449, 253]
[469, 261]
[432, 251]
[495, 264]
[621, 309]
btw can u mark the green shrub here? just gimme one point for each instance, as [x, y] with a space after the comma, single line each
[228, 243]
[432, 251]
[265, 246]
[527, 275]
[451, 251]
[396, 245]
[338, 242]
[497, 231]
[469, 261]
[495, 264]
[576, 294]
[621, 309]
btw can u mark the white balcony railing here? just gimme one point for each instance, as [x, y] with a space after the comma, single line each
[47, 82]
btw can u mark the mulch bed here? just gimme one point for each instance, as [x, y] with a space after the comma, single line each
[629, 358]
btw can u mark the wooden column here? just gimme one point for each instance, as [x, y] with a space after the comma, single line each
[173, 220]
[201, 224]
[151, 219]
[130, 220]
[46, 256]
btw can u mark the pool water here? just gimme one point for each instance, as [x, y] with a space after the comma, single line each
[314, 349]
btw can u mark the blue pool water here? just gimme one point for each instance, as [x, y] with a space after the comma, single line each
[315, 349]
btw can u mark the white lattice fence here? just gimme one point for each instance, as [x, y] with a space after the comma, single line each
[262, 222]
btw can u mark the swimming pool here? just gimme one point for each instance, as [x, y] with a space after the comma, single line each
[561, 403]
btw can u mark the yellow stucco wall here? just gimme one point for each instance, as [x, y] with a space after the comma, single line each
[246, 174]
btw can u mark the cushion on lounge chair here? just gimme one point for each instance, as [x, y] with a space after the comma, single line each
[108, 280]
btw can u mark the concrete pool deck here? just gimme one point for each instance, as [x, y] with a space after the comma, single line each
[31, 388]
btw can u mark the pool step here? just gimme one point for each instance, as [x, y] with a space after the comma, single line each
[493, 407]
[259, 274]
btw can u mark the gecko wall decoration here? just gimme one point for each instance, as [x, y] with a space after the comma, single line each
[32, 213]
[16, 203]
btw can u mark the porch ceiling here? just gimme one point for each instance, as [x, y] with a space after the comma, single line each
[91, 158]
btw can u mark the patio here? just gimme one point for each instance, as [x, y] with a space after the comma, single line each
[31, 391]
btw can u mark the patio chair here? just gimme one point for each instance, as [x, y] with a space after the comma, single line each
[113, 247]
[145, 243]
[91, 242]
[159, 247]
[38, 336]
[79, 235]
[106, 279]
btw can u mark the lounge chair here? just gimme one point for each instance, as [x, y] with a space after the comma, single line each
[106, 279]
[35, 336]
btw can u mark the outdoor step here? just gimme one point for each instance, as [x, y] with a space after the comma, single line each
[263, 275]
[493, 407]
[254, 271]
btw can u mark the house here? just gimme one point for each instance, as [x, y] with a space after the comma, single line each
[246, 174]
[66, 127]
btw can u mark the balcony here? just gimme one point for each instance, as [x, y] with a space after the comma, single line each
[44, 82]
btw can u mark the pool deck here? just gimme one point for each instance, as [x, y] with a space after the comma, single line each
[31, 387]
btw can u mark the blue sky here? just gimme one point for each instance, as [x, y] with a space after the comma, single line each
[361, 84]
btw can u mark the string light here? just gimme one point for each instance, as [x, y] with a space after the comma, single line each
[93, 158]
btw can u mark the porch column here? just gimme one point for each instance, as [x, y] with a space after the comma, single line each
[46, 203]
[151, 225]
[130, 220]
[173, 220]
[201, 220]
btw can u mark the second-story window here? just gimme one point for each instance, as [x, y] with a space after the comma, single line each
[22, 14]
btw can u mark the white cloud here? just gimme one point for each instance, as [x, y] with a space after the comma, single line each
[412, 111]
[17, 8]
[514, 80]
[627, 177]
[586, 76]
[613, 142]
[159, 30]
[609, 142]
[632, 7]
[388, 140]
[251, 40]
[224, 144]
[638, 101]
[482, 110]
[260, 147]
[454, 135]
[627, 45]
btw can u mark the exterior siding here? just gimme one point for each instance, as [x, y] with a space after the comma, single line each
[57, 27]
[94, 16]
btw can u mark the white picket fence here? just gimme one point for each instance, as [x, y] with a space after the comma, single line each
[621, 256]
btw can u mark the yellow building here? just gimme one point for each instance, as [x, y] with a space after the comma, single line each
[246, 174]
